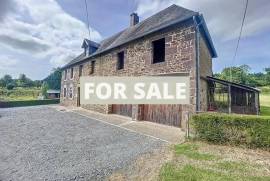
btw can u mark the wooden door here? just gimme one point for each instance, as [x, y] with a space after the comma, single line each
[163, 114]
[122, 109]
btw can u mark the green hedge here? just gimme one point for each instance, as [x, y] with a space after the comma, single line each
[252, 131]
[28, 103]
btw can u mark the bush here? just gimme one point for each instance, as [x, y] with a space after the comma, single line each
[28, 103]
[10, 86]
[252, 131]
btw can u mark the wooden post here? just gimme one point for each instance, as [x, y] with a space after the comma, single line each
[229, 99]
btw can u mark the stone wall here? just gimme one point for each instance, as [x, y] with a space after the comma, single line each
[179, 58]
[205, 70]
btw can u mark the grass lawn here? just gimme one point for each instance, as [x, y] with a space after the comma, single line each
[19, 94]
[265, 104]
[200, 161]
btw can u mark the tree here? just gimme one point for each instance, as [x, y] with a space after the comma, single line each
[10, 86]
[24, 81]
[267, 77]
[54, 79]
[7, 79]
[44, 89]
[237, 74]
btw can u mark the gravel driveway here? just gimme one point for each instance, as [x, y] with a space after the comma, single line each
[40, 143]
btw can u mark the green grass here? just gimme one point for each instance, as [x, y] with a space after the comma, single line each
[19, 94]
[265, 104]
[190, 172]
[234, 166]
[191, 151]
[188, 166]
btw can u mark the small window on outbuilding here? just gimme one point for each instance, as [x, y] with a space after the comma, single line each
[158, 50]
[120, 60]
[71, 73]
[92, 67]
[80, 70]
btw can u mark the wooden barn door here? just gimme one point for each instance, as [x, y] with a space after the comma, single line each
[122, 109]
[163, 114]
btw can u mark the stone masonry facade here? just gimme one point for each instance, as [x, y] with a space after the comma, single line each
[180, 57]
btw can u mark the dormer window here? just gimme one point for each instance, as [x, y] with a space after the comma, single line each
[87, 52]
[89, 47]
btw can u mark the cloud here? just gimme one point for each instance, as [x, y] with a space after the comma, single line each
[42, 30]
[7, 62]
[223, 17]
[5, 8]
[28, 45]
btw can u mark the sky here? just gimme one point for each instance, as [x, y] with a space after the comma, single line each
[39, 35]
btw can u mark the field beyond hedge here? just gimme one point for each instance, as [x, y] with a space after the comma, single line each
[19, 94]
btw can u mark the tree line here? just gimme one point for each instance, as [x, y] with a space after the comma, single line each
[53, 81]
[243, 75]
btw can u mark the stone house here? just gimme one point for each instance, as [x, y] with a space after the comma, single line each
[174, 41]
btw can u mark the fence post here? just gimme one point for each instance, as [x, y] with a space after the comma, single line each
[187, 124]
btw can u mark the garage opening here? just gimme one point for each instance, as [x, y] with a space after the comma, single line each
[168, 114]
[122, 109]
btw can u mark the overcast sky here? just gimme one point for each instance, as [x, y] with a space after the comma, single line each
[38, 35]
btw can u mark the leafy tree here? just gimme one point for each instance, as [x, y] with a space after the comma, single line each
[24, 81]
[235, 74]
[2, 83]
[54, 79]
[10, 86]
[7, 79]
[44, 89]
[267, 70]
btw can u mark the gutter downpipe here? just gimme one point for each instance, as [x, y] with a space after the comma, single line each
[197, 64]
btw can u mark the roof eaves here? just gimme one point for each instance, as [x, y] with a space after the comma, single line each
[233, 84]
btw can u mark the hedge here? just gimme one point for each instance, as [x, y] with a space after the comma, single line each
[28, 103]
[251, 131]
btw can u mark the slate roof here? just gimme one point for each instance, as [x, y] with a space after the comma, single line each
[165, 18]
[91, 43]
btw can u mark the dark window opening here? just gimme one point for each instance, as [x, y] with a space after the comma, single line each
[92, 67]
[65, 92]
[71, 73]
[158, 50]
[65, 74]
[120, 60]
[80, 70]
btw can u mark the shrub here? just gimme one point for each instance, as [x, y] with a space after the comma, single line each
[10, 86]
[28, 103]
[252, 131]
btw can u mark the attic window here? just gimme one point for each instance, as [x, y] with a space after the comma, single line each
[80, 70]
[120, 60]
[92, 67]
[158, 50]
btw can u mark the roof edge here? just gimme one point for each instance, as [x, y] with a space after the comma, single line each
[207, 35]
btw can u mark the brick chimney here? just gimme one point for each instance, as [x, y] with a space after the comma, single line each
[134, 19]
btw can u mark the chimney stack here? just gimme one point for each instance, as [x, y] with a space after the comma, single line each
[134, 19]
